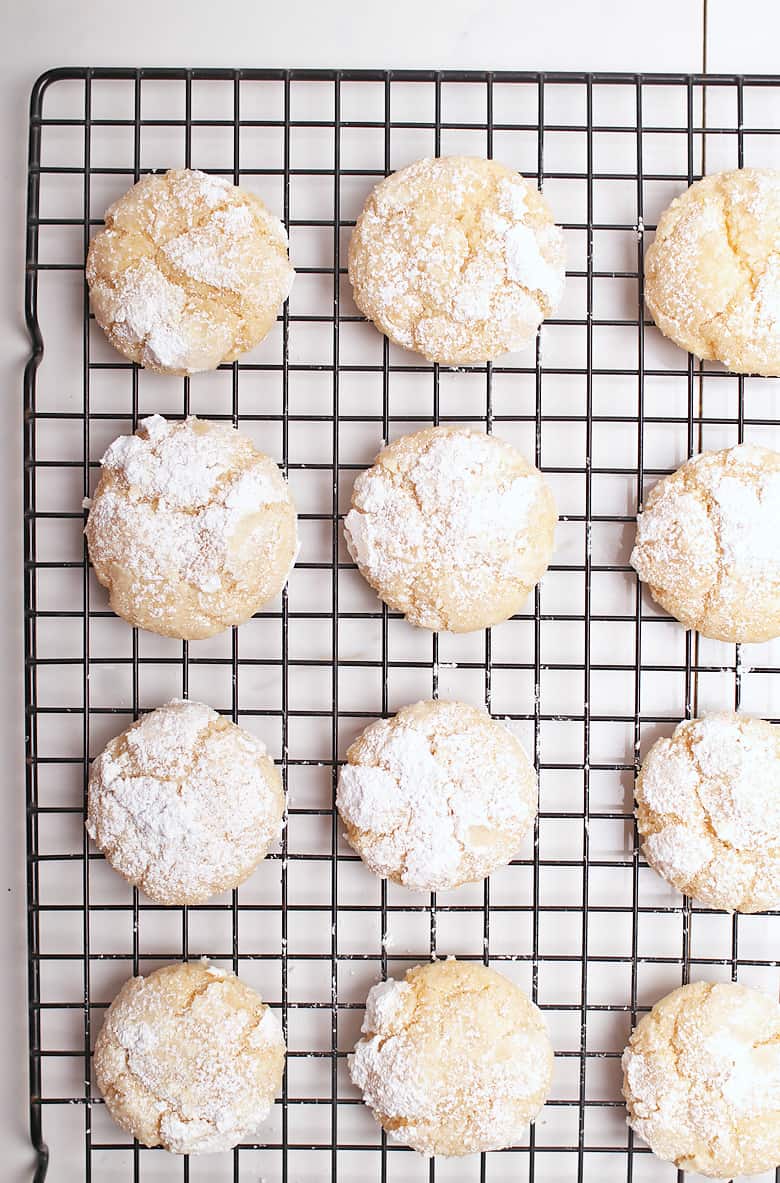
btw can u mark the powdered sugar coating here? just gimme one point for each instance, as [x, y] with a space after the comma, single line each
[457, 258]
[453, 1060]
[189, 272]
[439, 795]
[189, 1058]
[191, 528]
[707, 543]
[184, 804]
[701, 1079]
[708, 810]
[712, 275]
[452, 528]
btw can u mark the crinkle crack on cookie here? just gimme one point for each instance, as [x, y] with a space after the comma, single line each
[437, 796]
[191, 529]
[452, 528]
[701, 1080]
[188, 273]
[189, 1058]
[708, 544]
[457, 258]
[453, 1060]
[712, 275]
[184, 804]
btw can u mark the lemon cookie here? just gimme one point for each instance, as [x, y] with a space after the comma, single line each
[457, 258]
[437, 796]
[189, 1058]
[712, 275]
[452, 528]
[701, 1080]
[189, 272]
[707, 544]
[453, 1060]
[184, 804]
[708, 810]
[191, 529]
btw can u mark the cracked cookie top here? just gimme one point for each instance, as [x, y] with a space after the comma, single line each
[452, 528]
[437, 796]
[184, 804]
[457, 258]
[191, 528]
[708, 810]
[453, 1060]
[701, 1079]
[189, 1058]
[188, 273]
[707, 543]
[712, 275]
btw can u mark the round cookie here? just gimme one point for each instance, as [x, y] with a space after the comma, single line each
[189, 1058]
[188, 273]
[457, 258]
[184, 804]
[701, 1080]
[191, 529]
[708, 811]
[437, 796]
[453, 1060]
[452, 528]
[712, 275]
[708, 547]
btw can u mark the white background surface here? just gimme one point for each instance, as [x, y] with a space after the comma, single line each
[36, 35]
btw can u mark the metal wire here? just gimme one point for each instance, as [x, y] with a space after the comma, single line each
[566, 984]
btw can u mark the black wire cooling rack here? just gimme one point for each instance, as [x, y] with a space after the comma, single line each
[587, 675]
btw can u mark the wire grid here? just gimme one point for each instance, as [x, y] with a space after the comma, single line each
[587, 676]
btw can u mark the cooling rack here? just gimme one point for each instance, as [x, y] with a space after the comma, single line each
[587, 676]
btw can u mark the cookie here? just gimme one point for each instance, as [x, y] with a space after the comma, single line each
[712, 275]
[457, 258]
[184, 804]
[191, 529]
[189, 1058]
[437, 796]
[188, 273]
[452, 528]
[708, 811]
[453, 1060]
[701, 1080]
[708, 547]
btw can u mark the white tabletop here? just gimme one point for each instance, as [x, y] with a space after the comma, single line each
[674, 35]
